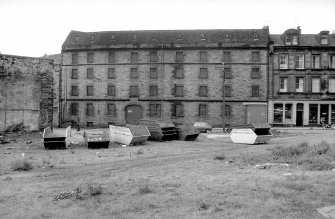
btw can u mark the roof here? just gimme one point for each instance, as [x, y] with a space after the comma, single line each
[231, 37]
[55, 57]
[304, 40]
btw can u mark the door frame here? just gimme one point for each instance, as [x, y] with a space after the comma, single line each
[130, 105]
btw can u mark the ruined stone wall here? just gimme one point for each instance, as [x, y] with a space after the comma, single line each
[26, 92]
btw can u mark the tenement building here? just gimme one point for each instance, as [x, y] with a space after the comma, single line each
[119, 77]
[302, 78]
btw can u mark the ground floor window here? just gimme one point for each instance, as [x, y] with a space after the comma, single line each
[288, 111]
[178, 110]
[278, 113]
[89, 124]
[324, 113]
[154, 110]
[313, 113]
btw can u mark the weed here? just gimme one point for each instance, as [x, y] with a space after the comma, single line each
[21, 165]
[220, 157]
[140, 151]
[203, 206]
[298, 186]
[145, 189]
[94, 189]
[289, 152]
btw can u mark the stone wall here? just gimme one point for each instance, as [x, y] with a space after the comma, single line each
[26, 91]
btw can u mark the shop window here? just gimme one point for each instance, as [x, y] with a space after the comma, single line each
[288, 112]
[324, 113]
[313, 113]
[278, 113]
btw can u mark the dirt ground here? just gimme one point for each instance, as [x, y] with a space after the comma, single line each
[173, 179]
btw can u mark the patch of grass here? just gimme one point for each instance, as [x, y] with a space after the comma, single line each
[140, 151]
[145, 189]
[21, 165]
[289, 152]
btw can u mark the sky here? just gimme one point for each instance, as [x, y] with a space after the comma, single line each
[37, 27]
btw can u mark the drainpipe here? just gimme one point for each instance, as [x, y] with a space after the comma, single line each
[60, 92]
[162, 82]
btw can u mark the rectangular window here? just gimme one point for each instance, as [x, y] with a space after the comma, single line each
[228, 112]
[133, 91]
[74, 91]
[316, 61]
[278, 113]
[227, 73]
[74, 58]
[203, 91]
[153, 90]
[133, 73]
[74, 109]
[203, 111]
[74, 74]
[153, 73]
[203, 73]
[111, 57]
[90, 57]
[294, 39]
[332, 61]
[283, 61]
[315, 85]
[89, 90]
[255, 56]
[177, 110]
[255, 91]
[299, 84]
[89, 109]
[226, 56]
[111, 90]
[288, 111]
[111, 73]
[324, 39]
[133, 57]
[153, 56]
[331, 85]
[179, 73]
[227, 90]
[203, 56]
[111, 109]
[313, 113]
[179, 56]
[178, 90]
[155, 110]
[89, 73]
[283, 85]
[299, 61]
[288, 39]
[255, 73]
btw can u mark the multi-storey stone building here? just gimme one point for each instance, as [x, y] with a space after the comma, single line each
[302, 78]
[123, 76]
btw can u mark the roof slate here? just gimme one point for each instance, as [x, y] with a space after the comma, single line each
[233, 37]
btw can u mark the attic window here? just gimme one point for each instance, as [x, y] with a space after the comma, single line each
[76, 40]
[288, 39]
[179, 37]
[203, 36]
[294, 39]
[112, 38]
[92, 38]
[324, 39]
[255, 36]
[134, 38]
[226, 36]
[154, 37]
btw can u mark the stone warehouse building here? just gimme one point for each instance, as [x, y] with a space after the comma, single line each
[123, 76]
[26, 91]
[302, 78]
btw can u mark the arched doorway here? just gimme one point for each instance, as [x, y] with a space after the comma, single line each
[133, 113]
